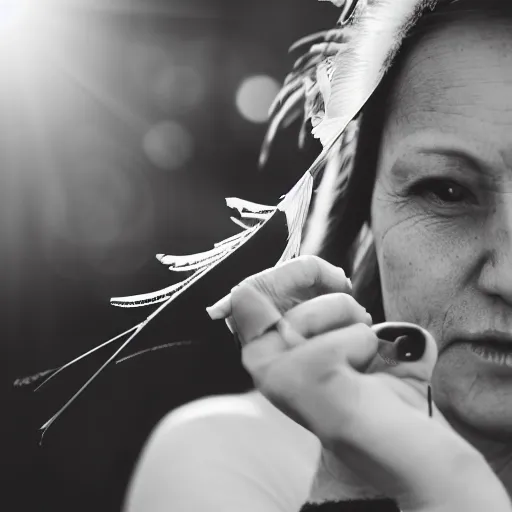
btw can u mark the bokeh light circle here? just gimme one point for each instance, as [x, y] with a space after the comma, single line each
[168, 145]
[254, 97]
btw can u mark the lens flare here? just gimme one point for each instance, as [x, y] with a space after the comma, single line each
[254, 97]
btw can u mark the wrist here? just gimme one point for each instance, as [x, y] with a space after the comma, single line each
[470, 485]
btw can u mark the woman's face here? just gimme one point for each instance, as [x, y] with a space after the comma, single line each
[442, 213]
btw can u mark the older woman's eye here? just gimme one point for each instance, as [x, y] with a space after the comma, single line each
[442, 191]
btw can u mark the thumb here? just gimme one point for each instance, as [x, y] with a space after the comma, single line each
[405, 350]
[409, 352]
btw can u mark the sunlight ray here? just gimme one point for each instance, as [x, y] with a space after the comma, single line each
[176, 9]
[122, 112]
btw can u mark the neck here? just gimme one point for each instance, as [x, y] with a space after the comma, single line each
[497, 452]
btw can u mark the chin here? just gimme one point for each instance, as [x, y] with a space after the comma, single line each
[473, 397]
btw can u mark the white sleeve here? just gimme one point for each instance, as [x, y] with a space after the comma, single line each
[235, 453]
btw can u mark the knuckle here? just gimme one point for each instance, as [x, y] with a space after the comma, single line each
[248, 281]
[344, 301]
[266, 282]
[315, 273]
[309, 268]
[348, 303]
[311, 260]
[301, 271]
[260, 278]
[255, 282]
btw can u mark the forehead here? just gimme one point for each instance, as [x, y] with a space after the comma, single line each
[457, 79]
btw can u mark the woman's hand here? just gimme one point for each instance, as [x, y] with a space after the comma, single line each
[311, 351]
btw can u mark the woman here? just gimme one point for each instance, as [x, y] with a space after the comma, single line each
[432, 177]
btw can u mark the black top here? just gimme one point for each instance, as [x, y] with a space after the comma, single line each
[353, 506]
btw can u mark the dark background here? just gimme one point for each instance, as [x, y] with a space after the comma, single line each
[120, 139]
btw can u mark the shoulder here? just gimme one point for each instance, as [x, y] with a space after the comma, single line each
[244, 428]
[230, 412]
[382, 505]
[236, 444]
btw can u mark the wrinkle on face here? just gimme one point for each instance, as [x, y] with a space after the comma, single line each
[442, 75]
[454, 91]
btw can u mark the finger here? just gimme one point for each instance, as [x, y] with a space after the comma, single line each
[326, 313]
[252, 313]
[354, 346]
[230, 324]
[311, 318]
[221, 309]
[265, 350]
[410, 360]
[291, 283]
[405, 350]
[298, 380]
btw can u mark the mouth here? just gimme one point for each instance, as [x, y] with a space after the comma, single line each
[494, 348]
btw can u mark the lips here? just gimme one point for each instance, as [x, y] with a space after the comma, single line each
[495, 339]
[493, 347]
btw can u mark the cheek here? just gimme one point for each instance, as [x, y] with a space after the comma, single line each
[420, 272]
[403, 270]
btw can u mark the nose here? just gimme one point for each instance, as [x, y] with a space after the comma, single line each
[496, 274]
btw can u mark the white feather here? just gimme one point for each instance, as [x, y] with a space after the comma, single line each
[296, 207]
[377, 33]
[241, 204]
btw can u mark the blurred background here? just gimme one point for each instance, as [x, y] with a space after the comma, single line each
[123, 126]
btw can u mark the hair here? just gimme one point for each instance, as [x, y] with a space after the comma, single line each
[351, 210]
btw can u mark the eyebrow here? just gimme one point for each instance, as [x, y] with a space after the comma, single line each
[470, 160]
[463, 157]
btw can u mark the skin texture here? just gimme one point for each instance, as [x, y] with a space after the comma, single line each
[445, 251]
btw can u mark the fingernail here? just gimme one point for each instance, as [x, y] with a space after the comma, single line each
[390, 331]
[349, 283]
[409, 343]
[230, 324]
[221, 309]
[411, 347]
